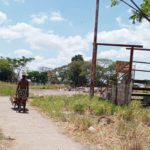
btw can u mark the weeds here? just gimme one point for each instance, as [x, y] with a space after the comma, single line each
[79, 108]
[128, 130]
[82, 123]
[7, 89]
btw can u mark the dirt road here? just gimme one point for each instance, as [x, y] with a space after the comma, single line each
[45, 92]
[32, 131]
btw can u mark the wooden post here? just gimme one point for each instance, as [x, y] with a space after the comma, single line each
[94, 57]
[131, 63]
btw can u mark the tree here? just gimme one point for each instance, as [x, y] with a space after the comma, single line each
[38, 77]
[34, 76]
[6, 70]
[43, 77]
[77, 58]
[139, 12]
[19, 63]
[78, 71]
[105, 72]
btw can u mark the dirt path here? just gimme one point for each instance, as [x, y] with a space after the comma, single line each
[32, 131]
[45, 92]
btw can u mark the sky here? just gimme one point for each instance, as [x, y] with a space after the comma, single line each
[53, 31]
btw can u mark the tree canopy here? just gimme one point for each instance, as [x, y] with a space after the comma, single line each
[9, 67]
[6, 70]
[139, 11]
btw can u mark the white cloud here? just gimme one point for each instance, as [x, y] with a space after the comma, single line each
[40, 40]
[137, 34]
[39, 19]
[23, 52]
[120, 22]
[115, 54]
[3, 17]
[67, 47]
[56, 16]
[37, 39]
[133, 34]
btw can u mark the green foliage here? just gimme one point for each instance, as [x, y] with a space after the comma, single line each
[5, 70]
[8, 67]
[105, 72]
[114, 2]
[139, 12]
[77, 58]
[79, 108]
[143, 13]
[38, 77]
[78, 73]
[19, 63]
[76, 104]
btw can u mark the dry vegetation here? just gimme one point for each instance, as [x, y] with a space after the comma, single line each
[100, 123]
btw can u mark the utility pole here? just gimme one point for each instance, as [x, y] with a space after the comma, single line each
[94, 57]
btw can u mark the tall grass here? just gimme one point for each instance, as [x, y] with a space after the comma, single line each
[129, 128]
[79, 104]
[7, 89]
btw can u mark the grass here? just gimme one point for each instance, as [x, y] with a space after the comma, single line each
[7, 89]
[50, 86]
[117, 127]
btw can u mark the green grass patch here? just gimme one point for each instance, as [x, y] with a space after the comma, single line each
[7, 89]
[78, 104]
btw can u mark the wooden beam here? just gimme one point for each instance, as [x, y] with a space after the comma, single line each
[139, 49]
[141, 62]
[141, 70]
[120, 45]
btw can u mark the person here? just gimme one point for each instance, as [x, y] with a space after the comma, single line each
[22, 92]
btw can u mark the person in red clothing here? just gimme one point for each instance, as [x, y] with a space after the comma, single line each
[22, 92]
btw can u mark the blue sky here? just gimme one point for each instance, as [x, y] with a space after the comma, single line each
[53, 31]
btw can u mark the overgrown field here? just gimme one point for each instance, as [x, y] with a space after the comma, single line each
[7, 89]
[99, 122]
